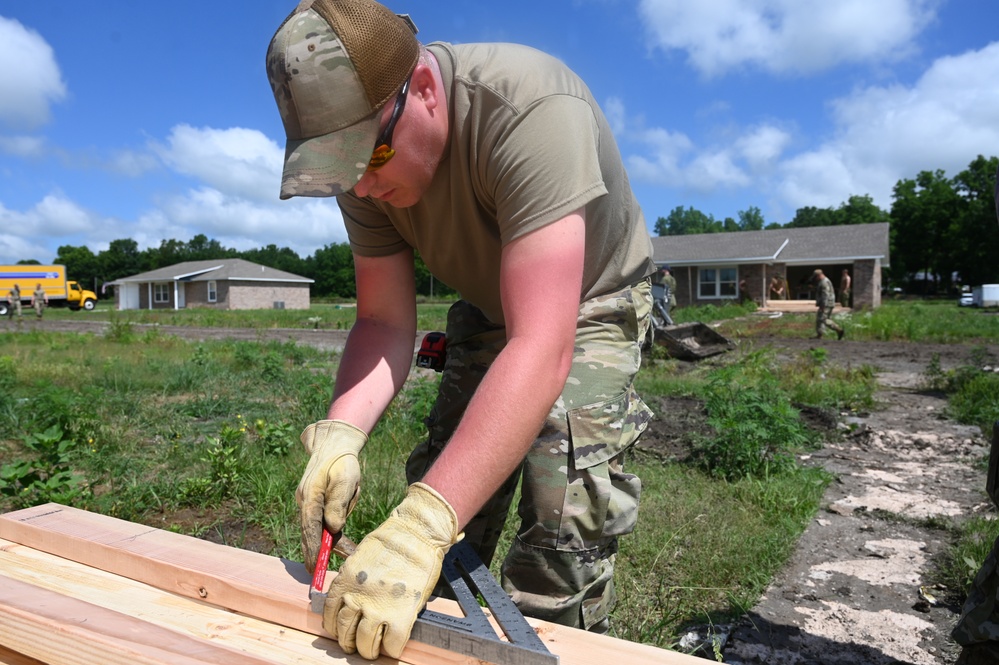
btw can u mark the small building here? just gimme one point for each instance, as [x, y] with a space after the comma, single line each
[219, 284]
[709, 267]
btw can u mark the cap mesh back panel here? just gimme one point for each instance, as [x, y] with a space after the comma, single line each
[382, 47]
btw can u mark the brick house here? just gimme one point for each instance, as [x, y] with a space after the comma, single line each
[708, 267]
[218, 284]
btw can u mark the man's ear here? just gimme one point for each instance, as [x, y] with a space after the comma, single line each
[424, 85]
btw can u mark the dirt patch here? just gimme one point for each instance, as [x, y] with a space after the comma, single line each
[855, 591]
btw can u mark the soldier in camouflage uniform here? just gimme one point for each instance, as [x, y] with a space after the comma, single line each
[978, 628]
[14, 302]
[825, 301]
[496, 164]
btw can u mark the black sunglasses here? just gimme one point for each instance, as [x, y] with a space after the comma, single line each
[383, 151]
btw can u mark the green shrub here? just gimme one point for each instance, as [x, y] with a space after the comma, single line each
[47, 477]
[758, 431]
[976, 402]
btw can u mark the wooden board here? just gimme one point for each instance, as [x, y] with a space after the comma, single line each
[173, 622]
[262, 587]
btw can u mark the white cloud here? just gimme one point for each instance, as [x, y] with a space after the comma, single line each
[30, 79]
[236, 161]
[784, 36]
[885, 134]
[22, 146]
[54, 215]
[878, 136]
[132, 163]
[304, 225]
[673, 159]
[234, 200]
[762, 145]
[36, 232]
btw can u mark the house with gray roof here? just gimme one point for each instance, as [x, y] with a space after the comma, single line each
[219, 284]
[709, 267]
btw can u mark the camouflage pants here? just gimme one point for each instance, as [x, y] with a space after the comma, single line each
[979, 620]
[823, 320]
[576, 499]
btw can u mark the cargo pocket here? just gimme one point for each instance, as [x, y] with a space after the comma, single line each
[599, 435]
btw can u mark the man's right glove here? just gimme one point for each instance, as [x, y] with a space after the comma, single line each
[331, 483]
[374, 599]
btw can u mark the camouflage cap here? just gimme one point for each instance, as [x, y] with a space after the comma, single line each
[333, 64]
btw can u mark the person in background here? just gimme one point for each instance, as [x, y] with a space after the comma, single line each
[825, 301]
[14, 302]
[39, 299]
[666, 300]
[977, 630]
[744, 295]
[777, 290]
[844, 288]
[497, 165]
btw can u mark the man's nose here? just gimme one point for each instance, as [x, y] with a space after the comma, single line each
[363, 186]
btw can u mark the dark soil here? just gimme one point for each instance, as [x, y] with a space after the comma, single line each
[858, 589]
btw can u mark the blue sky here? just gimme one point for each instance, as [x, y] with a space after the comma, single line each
[154, 120]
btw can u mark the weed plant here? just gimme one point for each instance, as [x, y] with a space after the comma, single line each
[973, 540]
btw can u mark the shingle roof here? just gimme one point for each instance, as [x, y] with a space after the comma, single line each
[222, 269]
[787, 245]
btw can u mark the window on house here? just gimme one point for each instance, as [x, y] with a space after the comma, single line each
[717, 283]
[161, 292]
[213, 291]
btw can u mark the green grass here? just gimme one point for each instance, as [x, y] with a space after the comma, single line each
[151, 428]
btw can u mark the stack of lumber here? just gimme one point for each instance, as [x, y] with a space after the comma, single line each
[77, 588]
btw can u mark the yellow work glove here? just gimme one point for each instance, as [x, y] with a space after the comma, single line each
[373, 602]
[331, 483]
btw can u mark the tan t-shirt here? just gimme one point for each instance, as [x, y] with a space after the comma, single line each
[528, 146]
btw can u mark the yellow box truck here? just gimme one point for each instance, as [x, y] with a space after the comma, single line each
[61, 292]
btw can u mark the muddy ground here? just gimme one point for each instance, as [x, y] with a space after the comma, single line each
[857, 590]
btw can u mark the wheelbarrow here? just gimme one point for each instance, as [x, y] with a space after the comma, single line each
[691, 341]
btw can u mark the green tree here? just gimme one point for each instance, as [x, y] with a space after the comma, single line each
[81, 265]
[751, 219]
[280, 258]
[200, 248]
[170, 252]
[122, 258]
[332, 266]
[860, 210]
[812, 216]
[925, 215]
[682, 221]
[976, 236]
[427, 284]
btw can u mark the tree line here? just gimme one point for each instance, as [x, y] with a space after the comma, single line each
[943, 233]
[331, 267]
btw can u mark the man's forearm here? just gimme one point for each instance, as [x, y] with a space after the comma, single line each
[373, 368]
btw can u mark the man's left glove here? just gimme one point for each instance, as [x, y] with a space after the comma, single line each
[373, 602]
